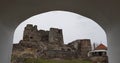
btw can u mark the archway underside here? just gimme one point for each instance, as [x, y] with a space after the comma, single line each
[14, 12]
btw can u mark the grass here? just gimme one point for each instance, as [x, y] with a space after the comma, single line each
[31, 60]
[40, 60]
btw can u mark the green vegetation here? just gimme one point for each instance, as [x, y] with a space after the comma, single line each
[15, 59]
[31, 60]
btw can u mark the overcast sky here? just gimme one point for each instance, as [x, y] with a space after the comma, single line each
[74, 26]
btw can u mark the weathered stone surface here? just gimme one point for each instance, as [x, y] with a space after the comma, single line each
[56, 36]
[100, 59]
[85, 47]
[49, 44]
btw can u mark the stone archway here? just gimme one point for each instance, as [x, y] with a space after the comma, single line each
[105, 13]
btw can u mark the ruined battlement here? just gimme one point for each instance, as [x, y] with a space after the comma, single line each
[54, 35]
[49, 44]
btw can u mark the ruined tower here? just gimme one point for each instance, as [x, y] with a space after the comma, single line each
[85, 47]
[56, 36]
[30, 33]
[49, 44]
[27, 32]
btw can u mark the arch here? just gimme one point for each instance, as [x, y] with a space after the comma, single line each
[58, 14]
[106, 14]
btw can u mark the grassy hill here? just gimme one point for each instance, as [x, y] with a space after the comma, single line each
[56, 61]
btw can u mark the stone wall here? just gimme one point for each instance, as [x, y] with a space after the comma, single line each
[56, 36]
[82, 47]
[99, 59]
[51, 54]
[85, 47]
[49, 44]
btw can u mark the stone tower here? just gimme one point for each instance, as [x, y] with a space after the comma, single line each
[30, 33]
[56, 36]
[85, 47]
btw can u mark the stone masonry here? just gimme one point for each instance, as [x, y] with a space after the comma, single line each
[49, 44]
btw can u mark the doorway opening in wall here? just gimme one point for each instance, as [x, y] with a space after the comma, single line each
[59, 35]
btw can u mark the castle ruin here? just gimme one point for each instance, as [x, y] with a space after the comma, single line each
[49, 44]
